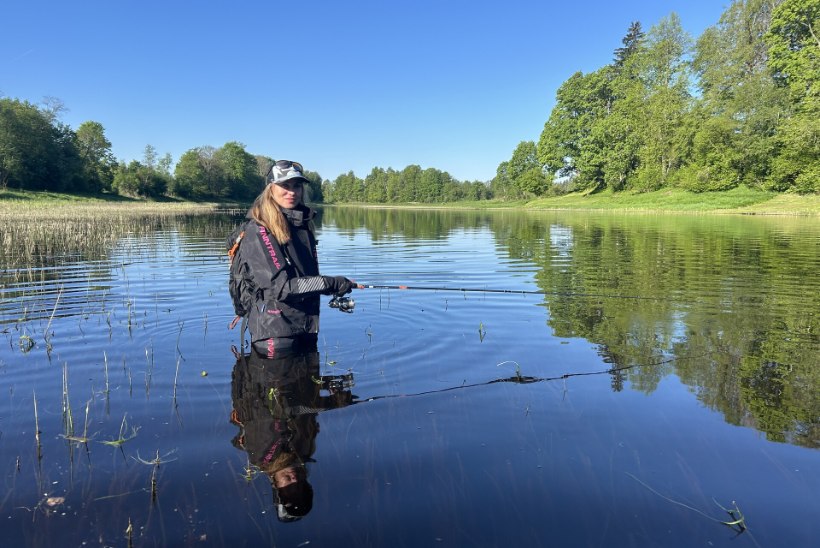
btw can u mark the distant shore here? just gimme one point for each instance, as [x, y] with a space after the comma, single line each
[733, 202]
[739, 201]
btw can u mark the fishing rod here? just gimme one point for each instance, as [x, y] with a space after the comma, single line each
[347, 304]
[509, 291]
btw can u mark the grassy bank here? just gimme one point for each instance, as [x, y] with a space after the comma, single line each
[742, 201]
[736, 201]
[54, 205]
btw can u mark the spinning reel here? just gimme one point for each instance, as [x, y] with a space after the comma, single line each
[345, 304]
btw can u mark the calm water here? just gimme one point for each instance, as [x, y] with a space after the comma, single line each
[670, 366]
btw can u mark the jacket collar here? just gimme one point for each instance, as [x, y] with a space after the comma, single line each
[299, 215]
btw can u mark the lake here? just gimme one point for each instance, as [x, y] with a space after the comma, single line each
[603, 380]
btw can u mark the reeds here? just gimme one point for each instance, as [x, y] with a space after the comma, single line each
[68, 420]
[47, 335]
[32, 233]
[155, 463]
[36, 432]
[176, 378]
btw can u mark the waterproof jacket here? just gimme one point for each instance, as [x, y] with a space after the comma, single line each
[276, 286]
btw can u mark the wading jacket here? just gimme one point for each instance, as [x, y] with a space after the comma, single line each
[277, 287]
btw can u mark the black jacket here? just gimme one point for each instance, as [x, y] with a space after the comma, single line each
[278, 286]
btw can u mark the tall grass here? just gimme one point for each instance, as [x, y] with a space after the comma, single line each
[33, 232]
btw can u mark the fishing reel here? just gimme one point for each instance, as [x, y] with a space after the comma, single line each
[345, 304]
[338, 383]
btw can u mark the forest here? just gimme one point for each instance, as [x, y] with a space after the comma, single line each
[737, 106]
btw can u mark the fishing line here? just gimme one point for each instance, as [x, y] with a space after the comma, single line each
[518, 378]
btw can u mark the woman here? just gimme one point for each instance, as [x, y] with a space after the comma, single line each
[275, 278]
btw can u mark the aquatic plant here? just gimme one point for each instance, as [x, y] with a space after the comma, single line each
[123, 435]
[36, 432]
[737, 523]
[84, 438]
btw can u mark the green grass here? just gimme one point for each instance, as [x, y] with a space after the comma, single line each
[738, 200]
[662, 200]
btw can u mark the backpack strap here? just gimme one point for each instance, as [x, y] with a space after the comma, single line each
[235, 246]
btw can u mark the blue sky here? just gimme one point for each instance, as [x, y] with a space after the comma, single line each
[337, 85]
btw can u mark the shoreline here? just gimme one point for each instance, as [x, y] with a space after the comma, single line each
[739, 201]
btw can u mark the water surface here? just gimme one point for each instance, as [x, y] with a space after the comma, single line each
[657, 369]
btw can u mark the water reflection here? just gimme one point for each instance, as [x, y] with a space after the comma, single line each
[276, 403]
[740, 293]
[489, 419]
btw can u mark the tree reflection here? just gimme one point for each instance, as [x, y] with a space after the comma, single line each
[727, 290]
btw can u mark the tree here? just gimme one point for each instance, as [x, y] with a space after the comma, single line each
[29, 147]
[394, 182]
[66, 165]
[525, 172]
[263, 164]
[794, 59]
[408, 184]
[428, 186]
[164, 163]
[794, 46]
[189, 175]
[617, 135]
[149, 156]
[664, 72]
[564, 147]
[52, 108]
[95, 151]
[735, 123]
[313, 191]
[137, 179]
[239, 171]
[375, 185]
[632, 43]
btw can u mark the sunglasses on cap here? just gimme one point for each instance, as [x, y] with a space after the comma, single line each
[286, 164]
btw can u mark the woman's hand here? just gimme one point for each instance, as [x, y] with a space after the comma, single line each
[338, 285]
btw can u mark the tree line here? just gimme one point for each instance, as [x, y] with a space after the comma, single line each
[411, 184]
[738, 106]
[38, 152]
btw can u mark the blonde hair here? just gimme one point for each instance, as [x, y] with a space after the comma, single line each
[267, 213]
[280, 462]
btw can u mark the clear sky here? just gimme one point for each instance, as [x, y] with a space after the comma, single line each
[338, 85]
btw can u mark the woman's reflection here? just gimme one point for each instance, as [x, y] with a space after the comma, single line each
[275, 405]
